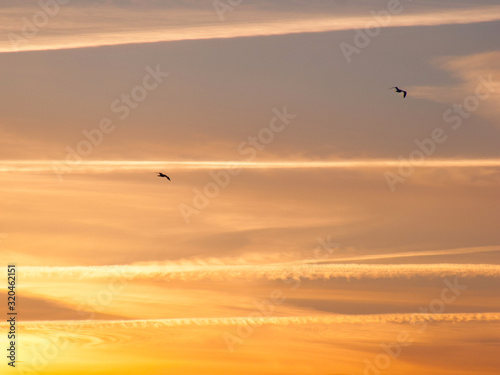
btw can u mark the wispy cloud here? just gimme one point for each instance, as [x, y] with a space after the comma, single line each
[115, 31]
[43, 166]
[477, 76]
[287, 320]
[270, 272]
[467, 250]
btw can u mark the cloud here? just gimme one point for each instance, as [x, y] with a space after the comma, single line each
[470, 250]
[73, 28]
[281, 271]
[105, 166]
[36, 308]
[295, 320]
[283, 257]
[478, 76]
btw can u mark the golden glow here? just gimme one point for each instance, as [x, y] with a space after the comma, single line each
[325, 247]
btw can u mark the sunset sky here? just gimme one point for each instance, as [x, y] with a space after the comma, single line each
[316, 221]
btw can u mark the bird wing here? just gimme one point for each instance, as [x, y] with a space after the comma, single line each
[168, 178]
[404, 94]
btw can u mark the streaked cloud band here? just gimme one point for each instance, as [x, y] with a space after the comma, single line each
[157, 32]
[101, 166]
[270, 272]
[295, 320]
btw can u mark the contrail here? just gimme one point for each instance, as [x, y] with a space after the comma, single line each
[465, 250]
[279, 271]
[232, 321]
[106, 166]
[206, 29]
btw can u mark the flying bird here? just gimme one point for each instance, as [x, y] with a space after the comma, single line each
[399, 90]
[163, 175]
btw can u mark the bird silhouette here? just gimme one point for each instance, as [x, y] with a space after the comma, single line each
[399, 90]
[163, 175]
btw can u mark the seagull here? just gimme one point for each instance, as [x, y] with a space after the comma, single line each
[399, 90]
[163, 175]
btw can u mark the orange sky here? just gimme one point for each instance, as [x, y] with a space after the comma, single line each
[315, 223]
